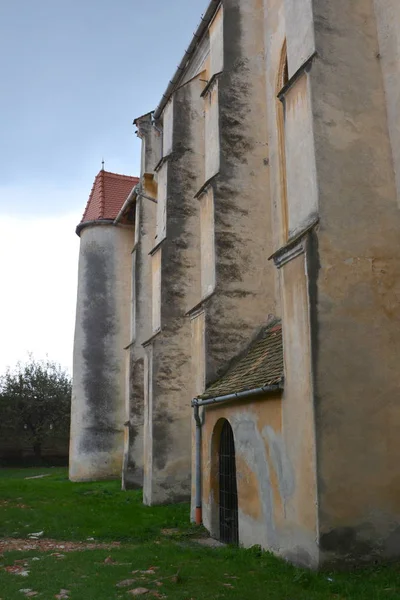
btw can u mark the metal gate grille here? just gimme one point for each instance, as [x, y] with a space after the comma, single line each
[228, 501]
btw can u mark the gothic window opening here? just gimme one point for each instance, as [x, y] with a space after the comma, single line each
[228, 499]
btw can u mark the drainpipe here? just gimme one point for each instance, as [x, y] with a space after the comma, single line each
[196, 415]
[196, 403]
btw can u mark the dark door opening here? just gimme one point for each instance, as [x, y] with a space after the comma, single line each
[228, 500]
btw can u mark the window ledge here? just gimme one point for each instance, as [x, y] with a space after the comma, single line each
[150, 339]
[210, 83]
[162, 160]
[304, 68]
[157, 246]
[199, 306]
[294, 246]
[205, 185]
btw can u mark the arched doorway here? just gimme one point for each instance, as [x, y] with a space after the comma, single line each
[228, 500]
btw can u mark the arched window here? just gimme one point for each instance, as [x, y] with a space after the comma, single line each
[282, 80]
[228, 499]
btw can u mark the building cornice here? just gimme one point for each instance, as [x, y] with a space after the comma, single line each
[98, 223]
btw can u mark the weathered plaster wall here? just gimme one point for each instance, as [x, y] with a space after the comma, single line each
[145, 228]
[257, 427]
[274, 41]
[245, 280]
[200, 61]
[289, 32]
[355, 283]
[388, 25]
[145, 225]
[101, 333]
[275, 445]
[168, 431]
[269, 482]
[301, 532]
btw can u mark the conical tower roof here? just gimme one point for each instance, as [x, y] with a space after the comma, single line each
[109, 192]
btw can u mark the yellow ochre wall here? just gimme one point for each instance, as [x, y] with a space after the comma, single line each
[276, 493]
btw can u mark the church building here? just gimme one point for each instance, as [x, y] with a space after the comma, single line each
[238, 314]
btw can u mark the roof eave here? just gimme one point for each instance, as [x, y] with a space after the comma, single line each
[130, 199]
[198, 34]
[272, 388]
[93, 223]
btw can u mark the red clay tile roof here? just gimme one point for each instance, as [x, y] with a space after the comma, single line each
[262, 365]
[108, 194]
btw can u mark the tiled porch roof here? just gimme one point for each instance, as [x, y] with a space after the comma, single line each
[262, 365]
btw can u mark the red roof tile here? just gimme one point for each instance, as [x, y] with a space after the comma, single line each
[108, 194]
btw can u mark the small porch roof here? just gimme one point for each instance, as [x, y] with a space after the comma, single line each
[260, 367]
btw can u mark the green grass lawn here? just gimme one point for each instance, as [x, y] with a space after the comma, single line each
[174, 567]
[76, 511]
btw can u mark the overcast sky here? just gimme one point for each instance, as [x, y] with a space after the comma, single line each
[74, 75]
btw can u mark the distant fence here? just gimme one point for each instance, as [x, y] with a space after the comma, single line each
[17, 451]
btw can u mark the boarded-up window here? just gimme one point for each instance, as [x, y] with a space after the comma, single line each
[143, 155]
[198, 353]
[302, 191]
[168, 123]
[133, 297]
[137, 222]
[198, 61]
[211, 132]
[156, 290]
[282, 80]
[216, 43]
[207, 243]
[161, 231]
[300, 28]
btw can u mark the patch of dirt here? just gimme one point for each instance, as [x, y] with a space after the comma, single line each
[208, 542]
[43, 545]
[7, 503]
[169, 532]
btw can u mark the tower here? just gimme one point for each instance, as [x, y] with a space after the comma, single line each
[102, 331]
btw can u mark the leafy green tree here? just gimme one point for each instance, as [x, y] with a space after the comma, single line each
[35, 402]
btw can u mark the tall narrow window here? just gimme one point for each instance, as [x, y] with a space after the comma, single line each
[283, 78]
[162, 203]
[133, 297]
[198, 352]
[207, 243]
[156, 290]
[168, 122]
[217, 43]
[212, 148]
